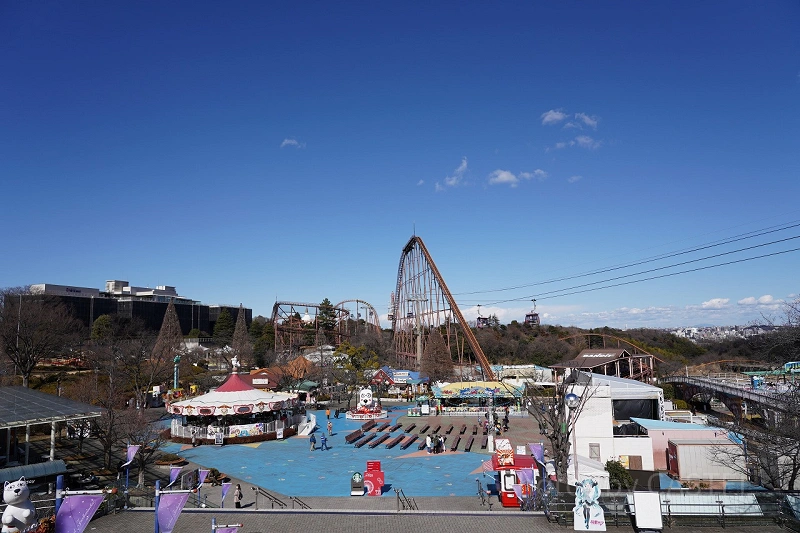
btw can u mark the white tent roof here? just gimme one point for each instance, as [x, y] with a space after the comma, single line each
[232, 397]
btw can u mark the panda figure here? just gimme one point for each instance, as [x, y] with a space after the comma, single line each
[20, 512]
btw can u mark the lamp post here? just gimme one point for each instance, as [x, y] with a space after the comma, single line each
[572, 401]
[175, 373]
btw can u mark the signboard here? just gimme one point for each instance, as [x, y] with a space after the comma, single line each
[505, 453]
[219, 439]
[587, 512]
[357, 484]
[426, 409]
[279, 432]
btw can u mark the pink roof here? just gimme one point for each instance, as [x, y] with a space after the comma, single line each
[234, 384]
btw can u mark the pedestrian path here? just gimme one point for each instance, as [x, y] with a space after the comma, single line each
[289, 467]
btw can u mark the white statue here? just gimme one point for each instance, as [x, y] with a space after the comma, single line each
[20, 512]
[364, 397]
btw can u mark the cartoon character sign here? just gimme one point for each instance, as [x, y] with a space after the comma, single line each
[589, 515]
[365, 397]
[20, 512]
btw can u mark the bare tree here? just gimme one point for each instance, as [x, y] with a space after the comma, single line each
[557, 410]
[34, 327]
[141, 431]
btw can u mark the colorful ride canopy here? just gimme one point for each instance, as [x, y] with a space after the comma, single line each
[477, 389]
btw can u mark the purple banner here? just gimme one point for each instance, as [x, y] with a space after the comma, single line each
[537, 450]
[76, 512]
[225, 488]
[227, 530]
[132, 449]
[202, 474]
[169, 509]
[174, 472]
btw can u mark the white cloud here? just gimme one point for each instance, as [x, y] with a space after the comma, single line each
[420, 182]
[573, 179]
[715, 303]
[538, 174]
[767, 300]
[503, 177]
[554, 116]
[292, 142]
[584, 141]
[456, 178]
[586, 119]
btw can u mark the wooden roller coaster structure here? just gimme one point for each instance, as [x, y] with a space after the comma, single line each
[422, 303]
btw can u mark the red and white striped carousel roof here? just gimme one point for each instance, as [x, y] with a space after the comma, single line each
[234, 396]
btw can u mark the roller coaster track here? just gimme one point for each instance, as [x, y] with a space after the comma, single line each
[423, 303]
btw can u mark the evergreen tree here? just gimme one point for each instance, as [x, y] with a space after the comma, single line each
[224, 328]
[327, 316]
[242, 347]
[436, 361]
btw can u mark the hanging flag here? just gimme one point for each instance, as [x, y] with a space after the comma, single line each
[174, 472]
[202, 474]
[225, 488]
[537, 450]
[227, 530]
[169, 509]
[76, 512]
[132, 450]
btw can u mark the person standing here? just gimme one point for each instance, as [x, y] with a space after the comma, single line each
[330, 428]
[428, 443]
[328, 412]
[313, 441]
[237, 496]
[194, 438]
[323, 442]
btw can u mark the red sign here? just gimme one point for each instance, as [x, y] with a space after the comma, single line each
[373, 482]
[373, 465]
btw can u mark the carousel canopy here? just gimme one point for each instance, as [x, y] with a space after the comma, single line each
[233, 397]
[477, 389]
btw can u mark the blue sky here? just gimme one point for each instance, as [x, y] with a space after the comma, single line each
[251, 152]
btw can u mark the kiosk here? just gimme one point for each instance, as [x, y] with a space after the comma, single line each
[508, 467]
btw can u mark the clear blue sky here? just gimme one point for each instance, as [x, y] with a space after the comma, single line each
[251, 151]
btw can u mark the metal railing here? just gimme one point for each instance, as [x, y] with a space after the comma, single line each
[272, 499]
[298, 503]
[404, 503]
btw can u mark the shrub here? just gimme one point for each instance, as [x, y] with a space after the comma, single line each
[618, 476]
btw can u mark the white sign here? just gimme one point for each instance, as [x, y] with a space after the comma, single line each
[280, 433]
[589, 515]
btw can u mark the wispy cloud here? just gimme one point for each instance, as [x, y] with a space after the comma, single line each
[554, 116]
[586, 119]
[456, 178]
[537, 174]
[420, 182]
[584, 141]
[573, 179]
[293, 143]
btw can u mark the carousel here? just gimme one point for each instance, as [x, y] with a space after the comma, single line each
[367, 408]
[234, 410]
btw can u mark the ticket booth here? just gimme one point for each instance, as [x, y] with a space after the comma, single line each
[508, 467]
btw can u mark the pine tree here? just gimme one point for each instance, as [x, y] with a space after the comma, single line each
[242, 347]
[223, 328]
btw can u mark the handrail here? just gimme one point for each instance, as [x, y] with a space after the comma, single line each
[299, 502]
[273, 499]
[406, 503]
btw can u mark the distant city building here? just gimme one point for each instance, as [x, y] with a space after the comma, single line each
[145, 303]
[718, 333]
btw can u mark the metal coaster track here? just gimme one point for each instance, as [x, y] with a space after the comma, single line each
[423, 303]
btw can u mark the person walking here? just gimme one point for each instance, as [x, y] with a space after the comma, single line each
[237, 496]
[330, 427]
[313, 441]
[323, 442]
[328, 412]
[428, 443]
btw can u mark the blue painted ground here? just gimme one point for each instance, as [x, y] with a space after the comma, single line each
[289, 467]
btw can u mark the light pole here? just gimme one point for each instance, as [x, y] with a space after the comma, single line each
[572, 401]
[175, 374]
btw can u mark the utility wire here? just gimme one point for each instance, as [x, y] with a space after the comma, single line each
[538, 297]
[667, 255]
